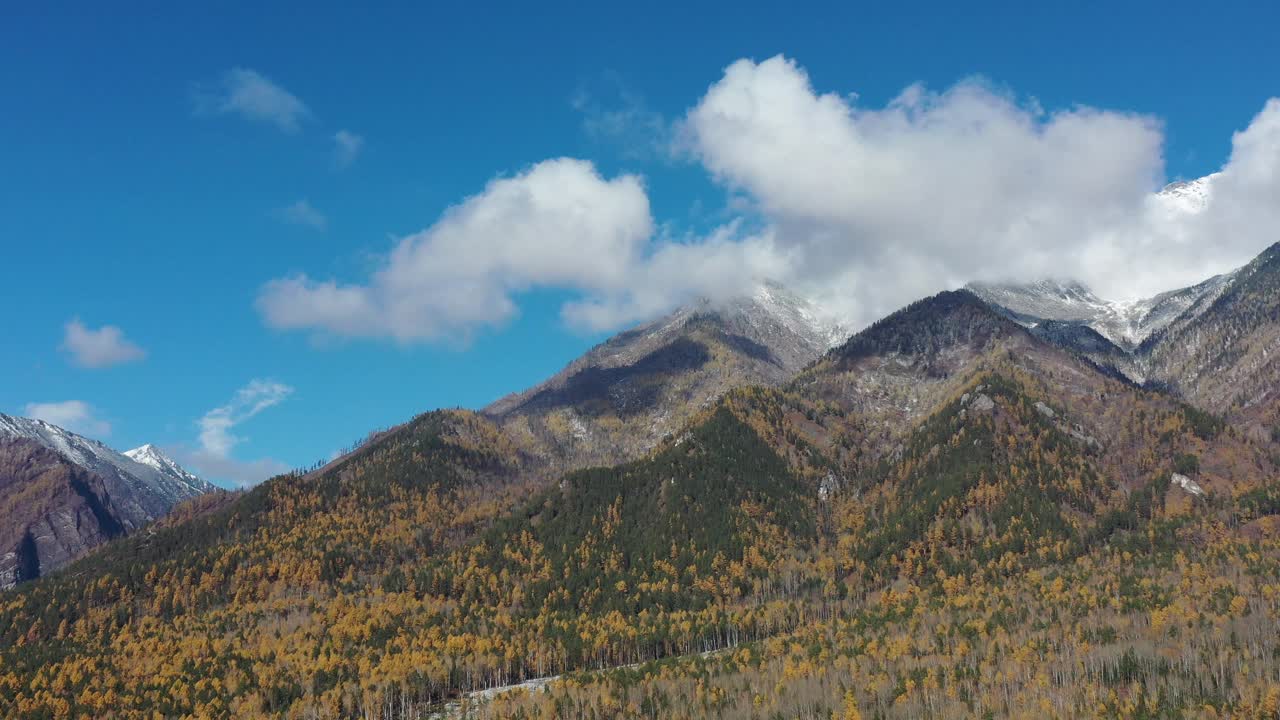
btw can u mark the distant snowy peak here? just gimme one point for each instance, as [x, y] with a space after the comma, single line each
[76, 448]
[140, 491]
[152, 456]
[769, 312]
[1187, 196]
[772, 330]
[1066, 300]
[1125, 324]
[800, 315]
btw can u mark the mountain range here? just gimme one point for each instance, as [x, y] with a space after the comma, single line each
[998, 498]
[64, 493]
[1211, 343]
[626, 394]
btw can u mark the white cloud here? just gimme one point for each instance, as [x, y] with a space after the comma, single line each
[558, 224]
[99, 348]
[74, 415]
[213, 458]
[304, 214]
[864, 208]
[216, 425]
[720, 266]
[346, 146]
[875, 207]
[255, 97]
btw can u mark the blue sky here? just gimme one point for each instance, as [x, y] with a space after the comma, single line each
[135, 194]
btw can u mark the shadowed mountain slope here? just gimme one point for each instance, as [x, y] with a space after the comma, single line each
[622, 397]
[54, 511]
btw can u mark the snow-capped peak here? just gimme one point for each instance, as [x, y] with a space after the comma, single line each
[1187, 196]
[76, 448]
[140, 491]
[800, 314]
[1125, 323]
[152, 456]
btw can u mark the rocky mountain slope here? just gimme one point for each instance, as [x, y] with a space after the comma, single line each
[946, 463]
[1225, 356]
[178, 476]
[68, 493]
[140, 493]
[51, 511]
[623, 396]
[1211, 343]
[899, 369]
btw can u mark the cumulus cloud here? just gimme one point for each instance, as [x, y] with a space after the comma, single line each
[217, 439]
[724, 264]
[346, 146]
[864, 208]
[74, 415]
[304, 214]
[99, 348]
[879, 206]
[557, 224]
[255, 97]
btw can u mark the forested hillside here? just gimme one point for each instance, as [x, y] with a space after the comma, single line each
[943, 517]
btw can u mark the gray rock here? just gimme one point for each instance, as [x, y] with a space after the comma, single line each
[983, 403]
[829, 486]
[1187, 484]
[1045, 410]
[1078, 433]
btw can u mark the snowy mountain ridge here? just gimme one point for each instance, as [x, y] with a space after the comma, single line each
[140, 491]
[623, 396]
[152, 456]
[1127, 324]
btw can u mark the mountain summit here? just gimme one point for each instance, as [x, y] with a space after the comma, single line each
[153, 457]
[1212, 343]
[62, 494]
[1125, 324]
[1187, 196]
[624, 395]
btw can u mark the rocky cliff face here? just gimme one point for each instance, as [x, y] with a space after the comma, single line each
[1226, 358]
[54, 511]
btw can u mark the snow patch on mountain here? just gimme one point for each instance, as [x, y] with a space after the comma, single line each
[1129, 323]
